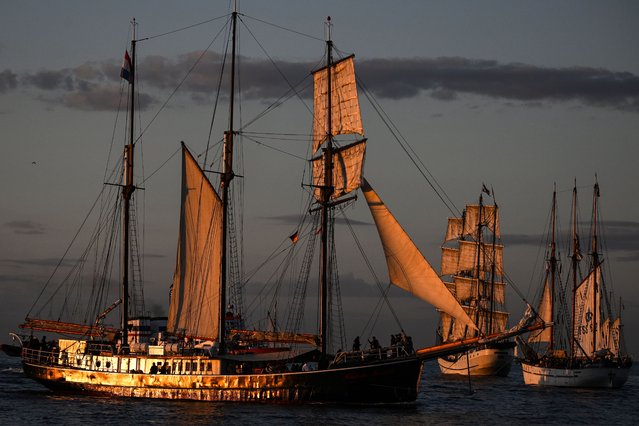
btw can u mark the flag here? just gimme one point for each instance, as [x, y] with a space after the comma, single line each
[294, 237]
[127, 68]
[484, 189]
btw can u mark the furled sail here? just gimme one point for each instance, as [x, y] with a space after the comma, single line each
[348, 163]
[587, 300]
[345, 113]
[407, 267]
[194, 306]
[545, 313]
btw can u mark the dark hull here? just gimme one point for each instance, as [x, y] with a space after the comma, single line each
[383, 382]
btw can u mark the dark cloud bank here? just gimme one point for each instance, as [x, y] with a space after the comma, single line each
[94, 86]
[621, 237]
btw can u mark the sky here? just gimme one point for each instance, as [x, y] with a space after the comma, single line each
[515, 95]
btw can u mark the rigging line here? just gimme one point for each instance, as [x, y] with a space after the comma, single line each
[370, 267]
[67, 250]
[450, 205]
[166, 102]
[278, 102]
[274, 149]
[217, 96]
[160, 167]
[274, 138]
[291, 87]
[277, 134]
[183, 28]
[283, 28]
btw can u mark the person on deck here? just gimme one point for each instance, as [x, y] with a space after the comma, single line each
[356, 344]
[154, 369]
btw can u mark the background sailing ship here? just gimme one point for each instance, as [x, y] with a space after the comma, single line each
[584, 347]
[476, 268]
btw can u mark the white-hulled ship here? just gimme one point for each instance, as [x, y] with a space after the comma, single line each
[584, 346]
[472, 256]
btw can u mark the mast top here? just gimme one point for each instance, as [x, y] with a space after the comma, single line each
[328, 29]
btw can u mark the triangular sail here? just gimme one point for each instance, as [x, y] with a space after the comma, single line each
[407, 267]
[345, 113]
[545, 313]
[194, 306]
[348, 163]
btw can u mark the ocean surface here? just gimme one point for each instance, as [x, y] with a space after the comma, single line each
[440, 401]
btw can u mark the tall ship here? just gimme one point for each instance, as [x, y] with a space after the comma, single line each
[206, 349]
[472, 262]
[584, 346]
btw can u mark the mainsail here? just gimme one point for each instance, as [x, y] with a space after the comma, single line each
[345, 113]
[194, 306]
[407, 267]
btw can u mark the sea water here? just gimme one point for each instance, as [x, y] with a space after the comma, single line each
[440, 401]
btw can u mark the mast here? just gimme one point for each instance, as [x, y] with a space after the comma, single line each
[595, 263]
[553, 263]
[480, 293]
[127, 192]
[493, 269]
[326, 192]
[575, 261]
[227, 176]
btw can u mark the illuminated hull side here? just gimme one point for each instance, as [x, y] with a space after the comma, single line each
[494, 360]
[587, 377]
[388, 381]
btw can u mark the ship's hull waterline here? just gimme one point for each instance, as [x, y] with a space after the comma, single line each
[384, 382]
[487, 361]
[590, 377]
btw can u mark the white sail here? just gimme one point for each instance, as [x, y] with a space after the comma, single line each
[348, 163]
[615, 337]
[194, 305]
[587, 301]
[464, 260]
[407, 267]
[603, 340]
[488, 215]
[345, 113]
[545, 313]
[454, 229]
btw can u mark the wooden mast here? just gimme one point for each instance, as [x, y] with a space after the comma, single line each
[227, 176]
[493, 268]
[482, 292]
[553, 264]
[326, 192]
[595, 265]
[575, 257]
[127, 191]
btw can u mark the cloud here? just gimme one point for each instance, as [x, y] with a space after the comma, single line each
[46, 262]
[615, 235]
[27, 227]
[291, 219]
[446, 77]
[95, 85]
[8, 80]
